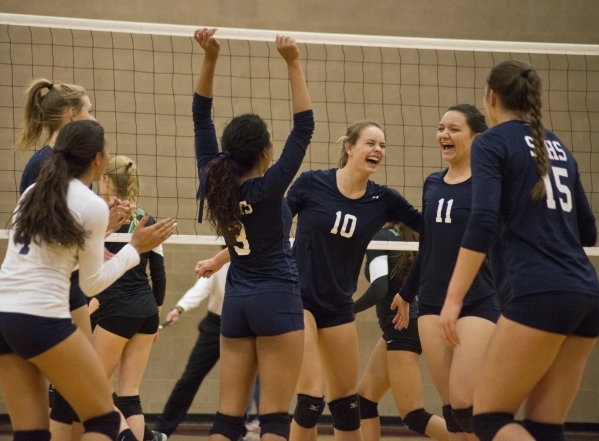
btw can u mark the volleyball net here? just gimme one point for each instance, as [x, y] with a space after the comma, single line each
[140, 78]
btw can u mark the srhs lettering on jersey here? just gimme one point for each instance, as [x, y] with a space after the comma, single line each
[554, 148]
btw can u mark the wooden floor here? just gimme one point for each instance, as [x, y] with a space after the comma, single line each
[199, 432]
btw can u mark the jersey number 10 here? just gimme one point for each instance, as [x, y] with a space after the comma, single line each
[348, 227]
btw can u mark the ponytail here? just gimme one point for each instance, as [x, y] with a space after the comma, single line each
[518, 86]
[222, 198]
[244, 141]
[124, 176]
[46, 110]
[533, 83]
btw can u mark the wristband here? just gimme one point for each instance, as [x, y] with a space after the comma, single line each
[179, 309]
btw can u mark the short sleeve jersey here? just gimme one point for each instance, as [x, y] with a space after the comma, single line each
[333, 233]
[541, 238]
[261, 259]
[384, 312]
[446, 210]
[131, 295]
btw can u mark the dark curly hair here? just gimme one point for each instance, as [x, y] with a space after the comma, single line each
[243, 140]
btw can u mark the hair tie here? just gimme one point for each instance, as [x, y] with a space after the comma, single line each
[224, 155]
[50, 86]
[129, 165]
[525, 73]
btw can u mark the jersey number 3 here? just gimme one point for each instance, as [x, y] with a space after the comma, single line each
[241, 238]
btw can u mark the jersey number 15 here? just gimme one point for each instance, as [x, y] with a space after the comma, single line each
[565, 200]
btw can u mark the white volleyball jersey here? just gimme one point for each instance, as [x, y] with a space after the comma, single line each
[35, 279]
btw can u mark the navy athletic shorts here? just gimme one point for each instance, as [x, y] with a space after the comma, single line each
[77, 298]
[30, 335]
[557, 312]
[486, 308]
[127, 327]
[264, 314]
[404, 340]
[328, 318]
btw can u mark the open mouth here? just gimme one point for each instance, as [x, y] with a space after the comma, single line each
[448, 147]
[373, 160]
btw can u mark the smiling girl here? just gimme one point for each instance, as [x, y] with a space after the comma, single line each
[446, 201]
[339, 212]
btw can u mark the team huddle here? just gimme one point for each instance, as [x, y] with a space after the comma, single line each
[501, 298]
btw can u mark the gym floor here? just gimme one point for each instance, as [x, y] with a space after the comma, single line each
[199, 432]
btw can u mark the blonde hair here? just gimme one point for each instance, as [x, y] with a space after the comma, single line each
[352, 134]
[46, 110]
[123, 174]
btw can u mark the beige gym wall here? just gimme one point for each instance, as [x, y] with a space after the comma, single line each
[547, 21]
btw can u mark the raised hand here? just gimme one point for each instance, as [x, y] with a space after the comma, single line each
[288, 49]
[205, 38]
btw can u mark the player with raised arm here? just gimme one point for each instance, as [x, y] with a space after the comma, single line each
[527, 186]
[60, 223]
[262, 323]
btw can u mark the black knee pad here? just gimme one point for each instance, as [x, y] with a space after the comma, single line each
[545, 431]
[107, 424]
[346, 413]
[129, 406]
[368, 409]
[464, 418]
[277, 423]
[115, 398]
[308, 410]
[417, 420]
[486, 425]
[31, 435]
[228, 426]
[62, 410]
[450, 421]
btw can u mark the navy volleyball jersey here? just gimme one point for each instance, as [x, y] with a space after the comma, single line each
[131, 294]
[542, 239]
[333, 233]
[33, 167]
[446, 210]
[261, 258]
[384, 312]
